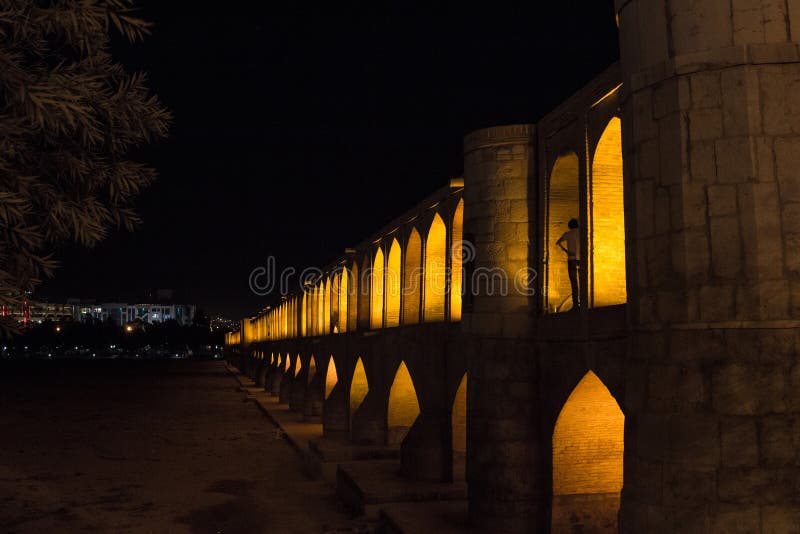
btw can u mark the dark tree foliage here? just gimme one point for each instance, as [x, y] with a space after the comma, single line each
[69, 116]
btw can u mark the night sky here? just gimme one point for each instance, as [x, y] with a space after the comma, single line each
[299, 130]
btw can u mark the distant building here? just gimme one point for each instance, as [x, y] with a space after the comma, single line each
[122, 313]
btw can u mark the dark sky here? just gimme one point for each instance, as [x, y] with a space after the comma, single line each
[299, 130]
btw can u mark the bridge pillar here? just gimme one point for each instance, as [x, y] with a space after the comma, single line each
[508, 487]
[711, 141]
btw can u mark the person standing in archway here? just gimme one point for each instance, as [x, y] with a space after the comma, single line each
[573, 250]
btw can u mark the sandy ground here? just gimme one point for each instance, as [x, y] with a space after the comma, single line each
[147, 446]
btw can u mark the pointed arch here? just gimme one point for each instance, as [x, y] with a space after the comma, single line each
[562, 205]
[272, 358]
[344, 288]
[288, 363]
[359, 387]
[457, 262]
[376, 288]
[588, 447]
[364, 290]
[412, 278]
[435, 269]
[607, 236]
[312, 368]
[403, 406]
[326, 310]
[354, 285]
[298, 366]
[336, 281]
[331, 377]
[393, 270]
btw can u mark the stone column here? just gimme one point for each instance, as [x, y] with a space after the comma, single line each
[503, 453]
[711, 140]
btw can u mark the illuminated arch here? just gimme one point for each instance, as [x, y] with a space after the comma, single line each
[321, 308]
[393, 270]
[352, 298]
[344, 288]
[364, 293]
[336, 280]
[298, 366]
[588, 445]
[435, 269]
[288, 363]
[376, 286]
[607, 238]
[330, 377]
[272, 358]
[326, 310]
[280, 361]
[412, 279]
[456, 262]
[403, 406]
[312, 368]
[563, 204]
[359, 387]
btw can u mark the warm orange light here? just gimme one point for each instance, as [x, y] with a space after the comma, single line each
[457, 252]
[562, 206]
[376, 291]
[435, 269]
[393, 269]
[344, 288]
[298, 366]
[403, 406]
[412, 278]
[588, 441]
[288, 363]
[128, 328]
[330, 378]
[359, 387]
[607, 238]
[58, 328]
[312, 368]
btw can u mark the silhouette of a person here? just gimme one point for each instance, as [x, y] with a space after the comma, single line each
[573, 250]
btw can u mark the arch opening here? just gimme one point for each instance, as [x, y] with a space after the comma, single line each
[393, 285]
[359, 387]
[563, 204]
[607, 238]
[403, 406]
[298, 366]
[412, 276]
[435, 271]
[457, 262]
[330, 377]
[312, 368]
[376, 280]
[588, 446]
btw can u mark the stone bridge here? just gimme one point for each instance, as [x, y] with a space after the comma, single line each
[448, 341]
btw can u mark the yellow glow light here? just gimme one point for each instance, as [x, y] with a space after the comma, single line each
[359, 387]
[412, 278]
[588, 441]
[457, 253]
[376, 291]
[562, 206]
[393, 285]
[403, 406]
[330, 377]
[435, 271]
[608, 219]
[312, 368]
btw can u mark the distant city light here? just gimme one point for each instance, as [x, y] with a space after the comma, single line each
[58, 329]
